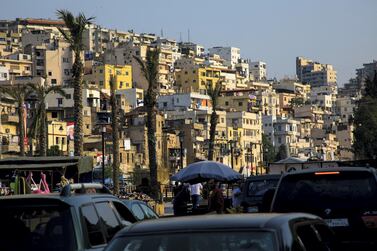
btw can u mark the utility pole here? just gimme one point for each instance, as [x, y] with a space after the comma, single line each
[103, 154]
[231, 153]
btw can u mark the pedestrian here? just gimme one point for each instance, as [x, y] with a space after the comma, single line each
[236, 196]
[177, 188]
[216, 199]
[195, 190]
[180, 201]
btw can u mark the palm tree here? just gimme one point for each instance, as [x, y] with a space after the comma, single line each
[38, 127]
[115, 120]
[74, 36]
[19, 92]
[214, 93]
[149, 68]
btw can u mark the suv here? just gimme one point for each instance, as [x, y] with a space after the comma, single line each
[345, 197]
[81, 217]
[254, 189]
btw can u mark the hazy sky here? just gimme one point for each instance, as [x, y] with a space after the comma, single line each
[338, 32]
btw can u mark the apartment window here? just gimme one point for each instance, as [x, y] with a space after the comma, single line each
[186, 72]
[53, 81]
[240, 103]
[56, 140]
[65, 60]
[68, 96]
[54, 115]
[87, 126]
[66, 72]
[100, 71]
[101, 83]
[63, 140]
[279, 140]
[222, 120]
[60, 101]
[50, 73]
[121, 84]
[226, 103]
[194, 71]
[126, 73]
[118, 72]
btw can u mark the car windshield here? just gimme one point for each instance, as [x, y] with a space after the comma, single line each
[346, 190]
[260, 187]
[45, 227]
[214, 241]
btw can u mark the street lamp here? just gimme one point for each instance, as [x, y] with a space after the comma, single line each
[103, 154]
[181, 137]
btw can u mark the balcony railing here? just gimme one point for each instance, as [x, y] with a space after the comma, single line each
[10, 148]
[9, 118]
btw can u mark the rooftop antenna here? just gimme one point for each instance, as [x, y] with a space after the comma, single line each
[180, 37]
[188, 35]
[162, 32]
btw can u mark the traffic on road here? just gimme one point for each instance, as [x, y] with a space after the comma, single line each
[315, 209]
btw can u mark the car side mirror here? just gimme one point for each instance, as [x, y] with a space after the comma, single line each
[125, 223]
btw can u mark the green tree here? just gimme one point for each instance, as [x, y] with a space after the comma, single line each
[365, 146]
[214, 93]
[74, 36]
[38, 128]
[283, 152]
[115, 120]
[19, 92]
[149, 68]
[269, 153]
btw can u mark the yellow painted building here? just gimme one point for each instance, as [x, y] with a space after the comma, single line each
[196, 79]
[101, 74]
[57, 135]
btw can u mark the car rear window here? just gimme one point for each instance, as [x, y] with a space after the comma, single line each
[207, 241]
[260, 187]
[346, 190]
[36, 227]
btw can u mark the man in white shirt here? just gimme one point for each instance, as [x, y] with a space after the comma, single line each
[195, 190]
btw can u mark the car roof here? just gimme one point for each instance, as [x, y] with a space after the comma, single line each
[76, 199]
[215, 222]
[264, 177]
[331, 169]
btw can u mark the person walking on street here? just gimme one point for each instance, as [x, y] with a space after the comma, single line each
[216, 199]
[195, 190]
[236, 196]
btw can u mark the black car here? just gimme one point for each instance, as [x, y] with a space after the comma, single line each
[255, 189]
[346, 198]
[140, 210]
[256, 232]
[81, 217]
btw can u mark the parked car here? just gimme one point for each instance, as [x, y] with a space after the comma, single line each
[140, 210]
[81, 217]
[256, 232]
[345, 197]
[254, 189]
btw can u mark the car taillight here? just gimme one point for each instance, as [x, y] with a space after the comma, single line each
[325, 173]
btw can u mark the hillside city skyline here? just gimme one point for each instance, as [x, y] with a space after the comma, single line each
[289, 31]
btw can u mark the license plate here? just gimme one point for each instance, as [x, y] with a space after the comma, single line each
[252, 210]
[337, 222]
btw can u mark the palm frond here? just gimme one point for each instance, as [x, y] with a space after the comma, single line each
[55, 89]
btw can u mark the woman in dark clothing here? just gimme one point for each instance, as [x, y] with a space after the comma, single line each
[180, 201]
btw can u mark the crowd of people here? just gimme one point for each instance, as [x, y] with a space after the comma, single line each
[208, 198]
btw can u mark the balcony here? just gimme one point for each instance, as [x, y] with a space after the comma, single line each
[10, 148]
[9, 118]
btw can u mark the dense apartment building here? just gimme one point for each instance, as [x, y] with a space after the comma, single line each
[101, 74]
[231, 55]
[258, 71]
[314, 73]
